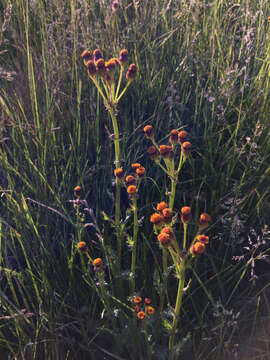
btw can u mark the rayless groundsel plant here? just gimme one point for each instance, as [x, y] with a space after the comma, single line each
[103, 75]
[165, 157]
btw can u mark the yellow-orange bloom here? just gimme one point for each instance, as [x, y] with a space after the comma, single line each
[97, 262]
[150, 310]
[86, 55]
[167, 215]
[204, 221]
[130, 180]
[141, 315]
[137, 299]
[161, 206]
[165, 151]
[140, 171]
[77, 190]
[197, 249]
[182, 136]
[203, 239]
[135, 166]
[149, 132]
[131, 190]
[119, 173]
[164, 239]
[123, 56]
[185, 214]
[174, 136]
[186, 148]
[82, 246]
[156, 219]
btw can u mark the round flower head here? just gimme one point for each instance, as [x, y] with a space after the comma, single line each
[153, 153]
[130, 180]
[101, 69]
[166, 151]
[131, 73]
[164, 239]
[140, 171]
[111, 64]
[141, 315]
[147, 301]
[197, 249]
[91, 68]
[115, 5]
[204, 221]
[123, 56]
[186, 148]
[86, 55]
[135, 166]
[97, 262]
[149, 132]
[119, 173]
[156, 219]
[167, 230]
[137, 299]
[203, 239]
[131, 190]
[174, 136]
[167, 215]
[77, 191]
[137, 308]
[82, 246]
[185, 214]
[161, 206]
[182, 136]
[150, 310]
[97, 55]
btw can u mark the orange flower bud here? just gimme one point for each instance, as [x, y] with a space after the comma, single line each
[203, 239]
[77, 191]
[161, 206]
[100, 64]
[164, 239]
[131, 73]
[119, 173]
[149, 132]
[82, 246]
[130, 180]
[152, 153]
[147, 301]
[137, 299]
[141, 315]
[123, 56]
[91, 68]
[131, 190]
[135, 166]
[166, 151]
[86, 55]
[150, 310]
[197, 249]
[185, 214]
[167, 215]
[137, 308]
[186, 148]
[111, 64]
[182, 136]
[174, 136]
[156, 219]
[97, 262]
[97, 55]
[140, 171]
[204, 221]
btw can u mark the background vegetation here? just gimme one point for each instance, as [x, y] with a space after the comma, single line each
[204, 67]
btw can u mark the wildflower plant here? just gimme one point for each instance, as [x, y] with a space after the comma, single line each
[107, 76]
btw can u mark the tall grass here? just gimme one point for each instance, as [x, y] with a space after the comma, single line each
[203, 67]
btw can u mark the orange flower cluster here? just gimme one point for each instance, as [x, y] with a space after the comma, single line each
[166, 151]
[143, 308]
[163, 216]
[131, 181]
[199, 246]
[96, 65]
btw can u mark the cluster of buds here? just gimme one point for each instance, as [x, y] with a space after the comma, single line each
[199, 245]
[163, 216]
[131, 181]
[98, 67]
[143, 307]
[167, 151]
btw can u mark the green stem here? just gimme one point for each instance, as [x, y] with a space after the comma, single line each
[118, 186]
[134, 249]
[148, 347]
[164, 278]
[181, 283]
[119, 82]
